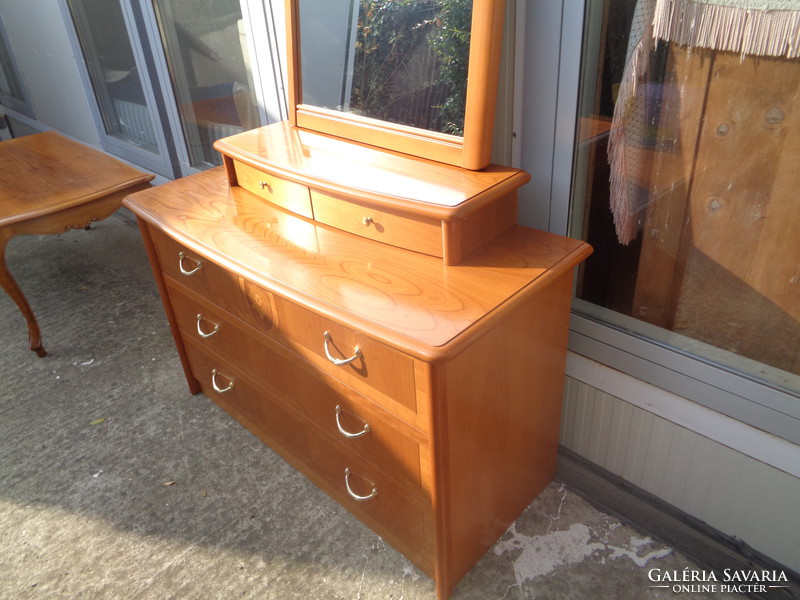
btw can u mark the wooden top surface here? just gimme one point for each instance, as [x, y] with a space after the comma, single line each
[408, 300]
[369, 174]
[45, 173]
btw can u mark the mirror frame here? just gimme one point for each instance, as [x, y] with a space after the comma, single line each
[472, 151]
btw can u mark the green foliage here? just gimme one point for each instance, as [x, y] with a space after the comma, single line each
[411, 62]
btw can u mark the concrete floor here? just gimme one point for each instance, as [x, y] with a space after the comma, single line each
[115, 482]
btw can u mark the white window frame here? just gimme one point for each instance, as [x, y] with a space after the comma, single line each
[554, 34]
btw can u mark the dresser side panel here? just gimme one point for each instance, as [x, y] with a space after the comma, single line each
[144, 228]
[497, 429]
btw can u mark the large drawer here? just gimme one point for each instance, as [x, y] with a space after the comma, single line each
[247, 301]
[364, 427]
[403, 518]
[355, 359]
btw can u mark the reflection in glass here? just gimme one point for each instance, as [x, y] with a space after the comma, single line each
[210, 72]
[702, 253]
[10, 85]
[401, 61]
[112, 67]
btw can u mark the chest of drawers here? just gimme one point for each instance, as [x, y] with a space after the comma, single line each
[424, 398]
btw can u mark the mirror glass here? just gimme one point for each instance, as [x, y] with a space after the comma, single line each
[399, 61]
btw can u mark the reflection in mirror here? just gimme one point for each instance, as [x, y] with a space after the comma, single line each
[401, 61]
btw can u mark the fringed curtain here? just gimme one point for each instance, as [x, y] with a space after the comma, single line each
[747, 27]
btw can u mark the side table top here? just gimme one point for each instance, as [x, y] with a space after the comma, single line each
[46, 173]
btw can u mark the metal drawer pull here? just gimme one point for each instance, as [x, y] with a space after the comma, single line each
[266, 185]
[216, 387]
[340, 361]
[202, 333]
[353, 495]
[346, 433]
[198, 264]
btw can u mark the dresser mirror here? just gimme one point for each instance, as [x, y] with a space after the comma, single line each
[417, 76]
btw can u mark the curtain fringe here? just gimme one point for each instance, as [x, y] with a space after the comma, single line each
[745, 31]
[623, 207]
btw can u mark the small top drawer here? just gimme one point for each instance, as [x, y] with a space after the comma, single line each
[412, 233]
[286, 194]
[247, 301]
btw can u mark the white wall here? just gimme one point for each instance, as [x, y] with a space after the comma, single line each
[738, 479]
[49, 66]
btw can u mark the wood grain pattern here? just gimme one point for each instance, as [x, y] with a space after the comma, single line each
[404, 521]
[409, 301]
[212, 281]
[486, 38]
[417, 234]
[285, 194]
[417, 204]
[496, 423]
[379, 368]
[390, 444]
[46, 173]
[48, 185]
[370, 176]
[464, 236]
[461, 373]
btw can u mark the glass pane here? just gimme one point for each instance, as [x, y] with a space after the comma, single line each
[9, 82]
[399, 61]
[210, 72]
[689, 195]
[113, 71]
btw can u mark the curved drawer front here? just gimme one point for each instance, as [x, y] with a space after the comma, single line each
[355, 359]
[239, 297]
[404, 518]
[377, 368]
[417, 234]
[362, 426]
[286, 194]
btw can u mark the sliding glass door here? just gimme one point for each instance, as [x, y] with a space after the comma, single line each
[210, 71]
[120, 81]
[685, 184]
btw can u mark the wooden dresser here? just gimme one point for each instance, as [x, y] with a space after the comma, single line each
[406, 356]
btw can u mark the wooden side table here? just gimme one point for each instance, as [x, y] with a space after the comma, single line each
[48, 185]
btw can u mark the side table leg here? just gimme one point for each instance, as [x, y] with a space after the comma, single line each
[13, 290]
